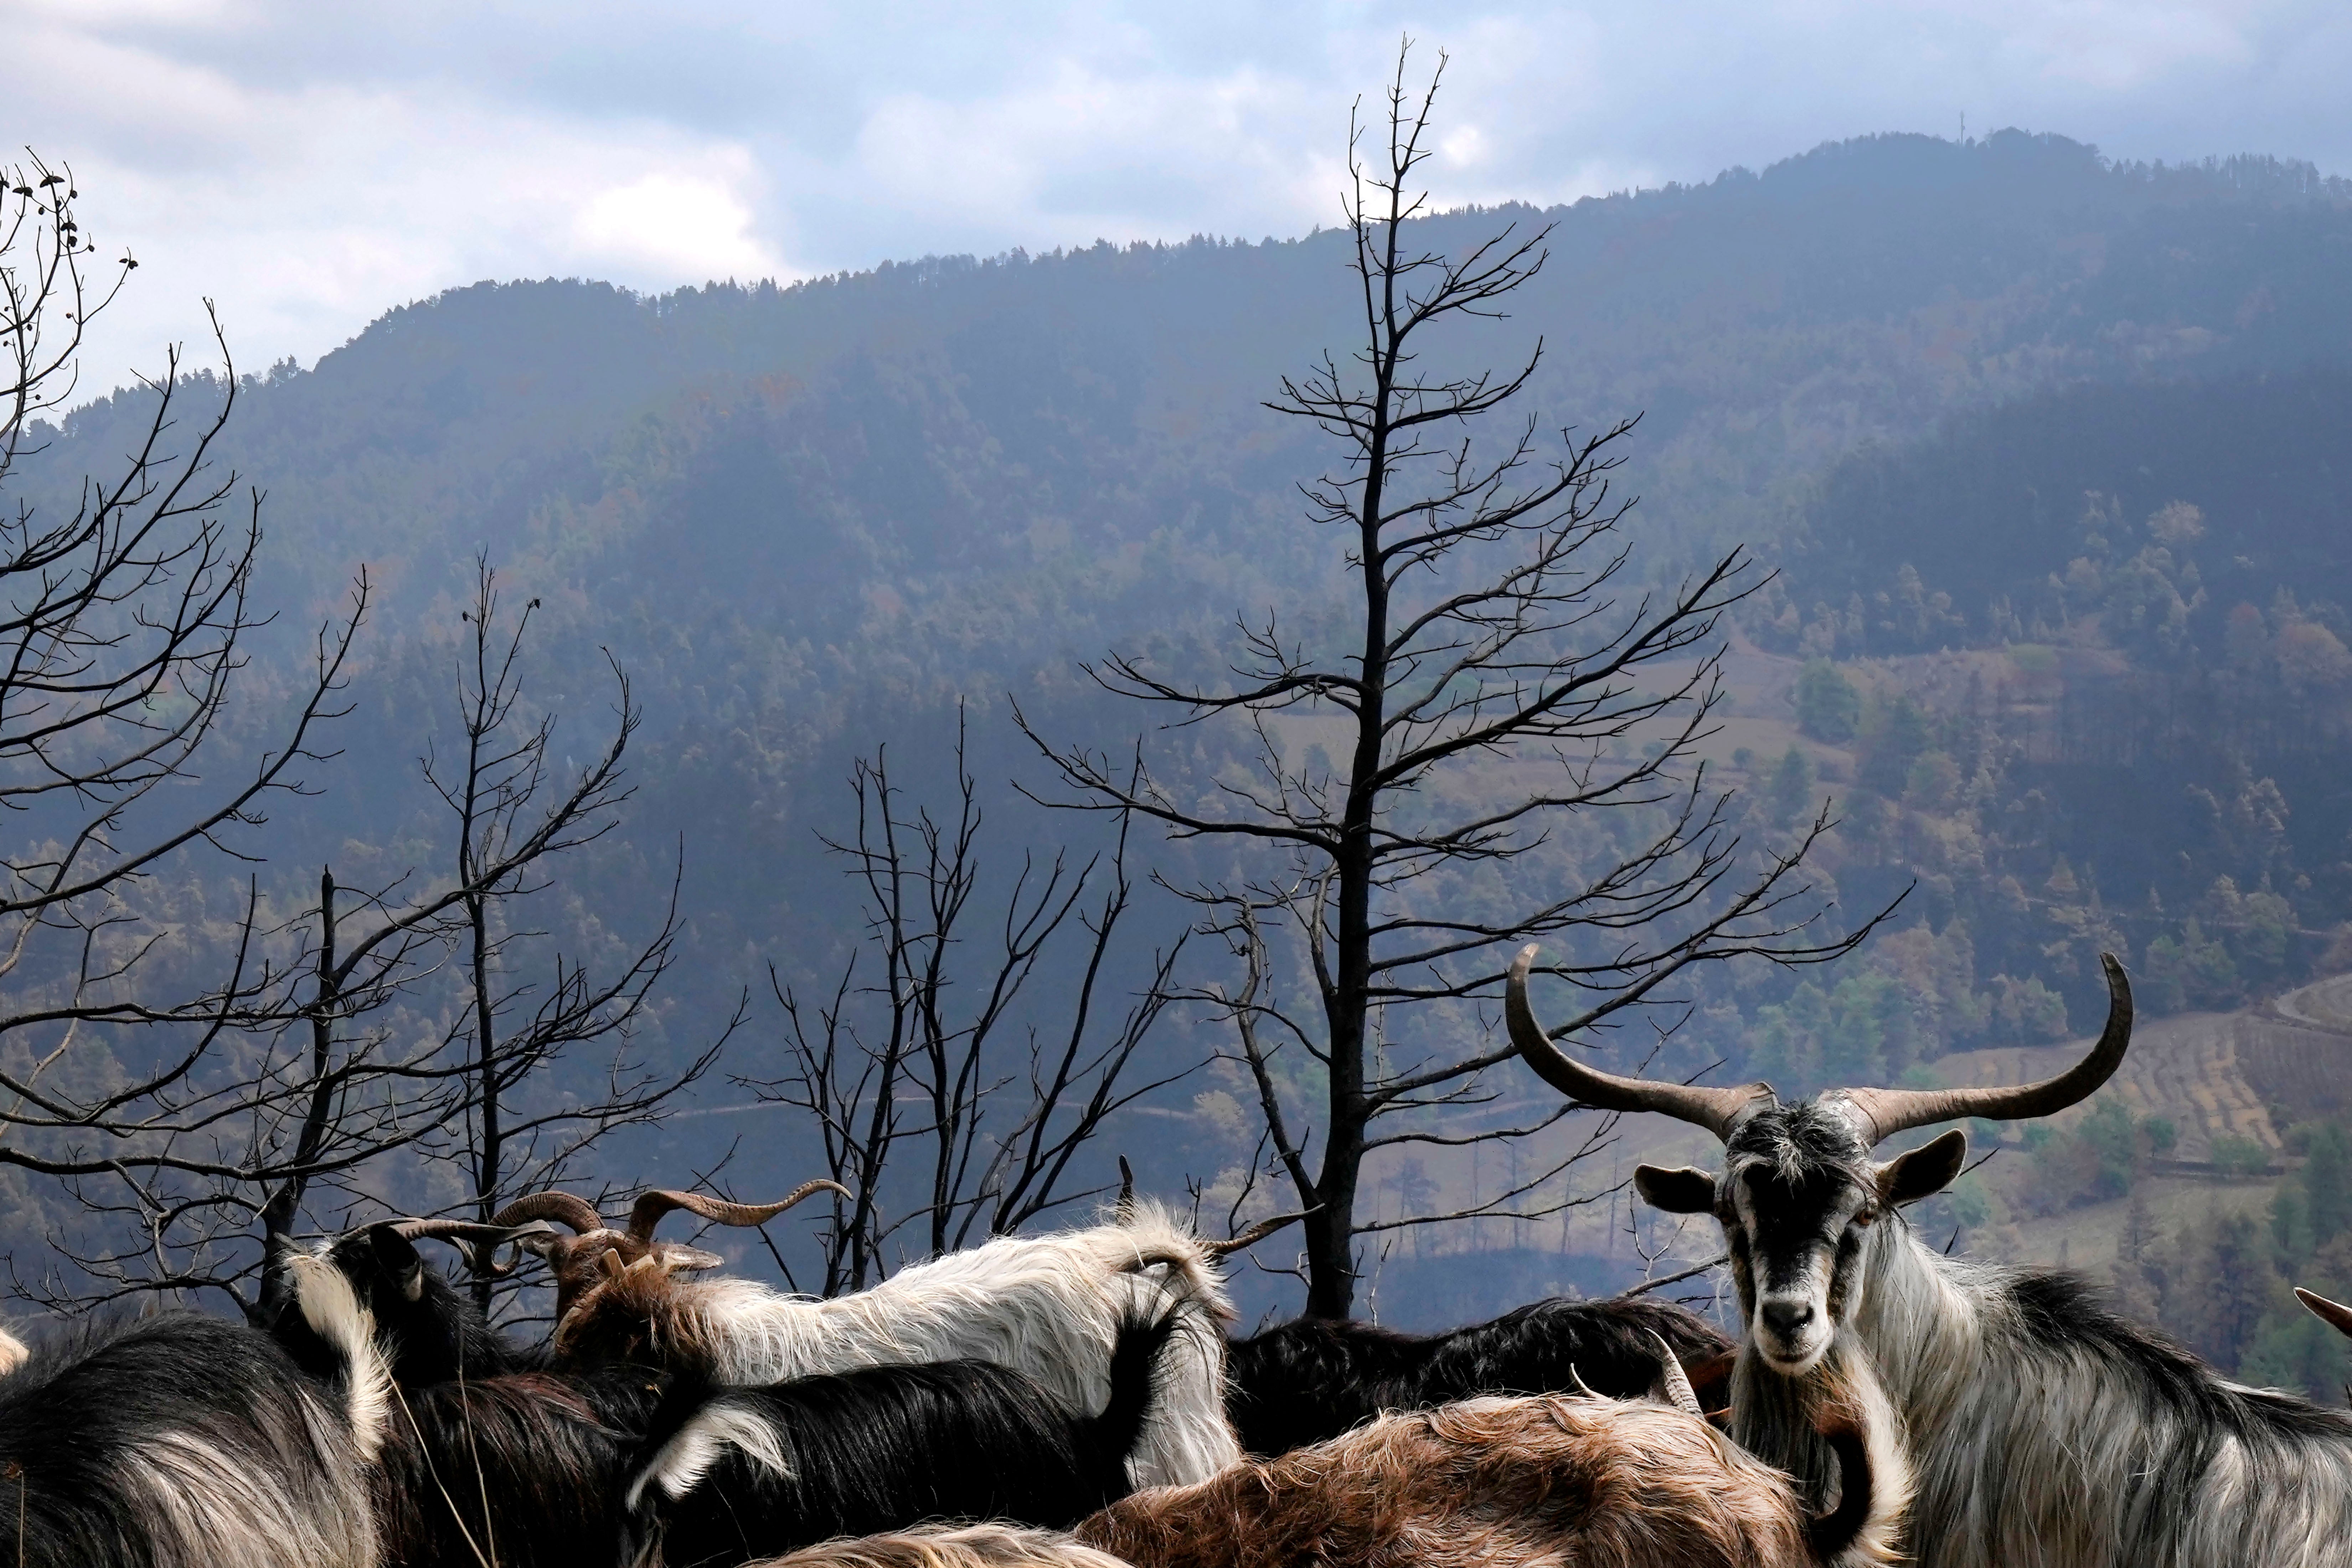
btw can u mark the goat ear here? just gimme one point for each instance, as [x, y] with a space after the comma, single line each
[397, 1258]
[689, 1260]
[1924, 1171]
[1688, 1190]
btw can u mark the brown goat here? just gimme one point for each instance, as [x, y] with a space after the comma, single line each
[1501, 1483]
[950, 1546]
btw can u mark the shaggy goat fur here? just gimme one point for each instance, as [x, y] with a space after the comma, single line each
[1049, 1307]
[13, 1352]
[183, 1441]
[753, 1471]
[2046, 1431]
[1497, 1483]
[1314, 1378]
[951, 1546]
[525, 1470]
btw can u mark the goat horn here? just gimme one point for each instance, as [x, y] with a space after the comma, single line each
[1882, 1112]
[478, 1241]
[1717, 1110]
[2334, 1314]
[651, 1206]
[561, 1207]
[1678, 1388]
[1125, 1206]
[1255, 1233]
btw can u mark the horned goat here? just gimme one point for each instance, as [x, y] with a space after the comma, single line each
[2046, 1431]
[1552, 1479]
[185, 1441]
[1302, 1382]
[1049, 1307]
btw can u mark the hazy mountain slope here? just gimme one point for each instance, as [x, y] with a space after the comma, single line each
[807, 519]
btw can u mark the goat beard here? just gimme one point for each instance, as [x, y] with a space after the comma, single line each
[1783, 1420]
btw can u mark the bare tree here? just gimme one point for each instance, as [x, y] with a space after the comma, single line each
[124, 628]
[521, 1133]
[899, 1057]
[182, 1084]
[1493, 691]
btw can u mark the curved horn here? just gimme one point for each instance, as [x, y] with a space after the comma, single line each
[1882, 1112]
[478, 1241]
[1124, 1207]
[1678, 1388]
[2334, 1314]
[561, 1207]
[1254, 1234]
[1714, 1109]
[647, 1212]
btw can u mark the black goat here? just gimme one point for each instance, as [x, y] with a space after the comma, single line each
[180, 1441]
[750, 1472]
[1311, 1379]
[429, 1331]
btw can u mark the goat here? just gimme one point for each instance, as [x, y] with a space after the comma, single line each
[2046, 1431]
[745, 1472]
[426, 1330]
[530, 1466]
[1048, 1307]
[183, 1441]
[1549, 1478]
[1314, 1378]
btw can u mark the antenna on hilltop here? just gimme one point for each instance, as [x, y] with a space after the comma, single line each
[1964, 126]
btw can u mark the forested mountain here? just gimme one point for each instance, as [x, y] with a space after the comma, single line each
[808, 521]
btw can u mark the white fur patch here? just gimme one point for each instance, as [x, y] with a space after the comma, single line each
[333, 1312]
[208, 1508]
[699, 1444]
[12, 1353]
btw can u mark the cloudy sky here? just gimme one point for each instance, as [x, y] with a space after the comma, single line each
[310, 163]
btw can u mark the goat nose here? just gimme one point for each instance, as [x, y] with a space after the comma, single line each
[1787, 1318]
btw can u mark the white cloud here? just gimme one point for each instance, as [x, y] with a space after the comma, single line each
[312, 166]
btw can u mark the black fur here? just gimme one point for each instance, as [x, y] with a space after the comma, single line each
[883, 1449]
[74, 1417]
[1314, 1378]
[550, 1454]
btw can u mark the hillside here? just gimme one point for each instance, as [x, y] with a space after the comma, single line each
[809, 519]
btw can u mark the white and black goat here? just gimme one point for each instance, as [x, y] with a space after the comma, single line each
[740, 1473]
[185, 1441]
[2046, 1431]
[483, 1462]
[1049, 1307]
[1313, 1378]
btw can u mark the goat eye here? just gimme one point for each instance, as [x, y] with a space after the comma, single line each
[1866, 1216]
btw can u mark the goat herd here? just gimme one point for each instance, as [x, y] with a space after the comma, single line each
[1071, 1401]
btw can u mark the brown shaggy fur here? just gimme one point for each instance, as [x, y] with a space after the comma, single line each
[1498, 1483]
[950, 1546]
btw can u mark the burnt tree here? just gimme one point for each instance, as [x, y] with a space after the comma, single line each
[1503, 672]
